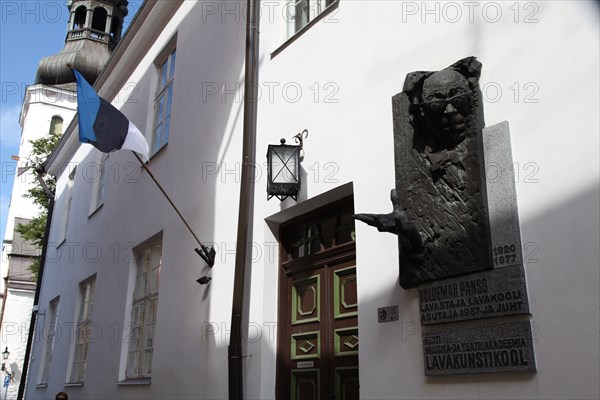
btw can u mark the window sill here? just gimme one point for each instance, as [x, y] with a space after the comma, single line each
[95, 211]
[41, 385]
[305, 28]
[138, 381]
[73, 384]
[157, 152]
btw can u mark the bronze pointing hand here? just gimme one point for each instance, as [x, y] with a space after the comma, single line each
[396, 222]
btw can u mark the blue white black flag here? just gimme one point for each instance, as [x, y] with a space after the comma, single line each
[102, 125]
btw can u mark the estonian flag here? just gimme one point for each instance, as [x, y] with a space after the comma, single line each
[102, 125]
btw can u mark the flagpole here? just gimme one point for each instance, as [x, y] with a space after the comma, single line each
[88, 133]
[143, 164]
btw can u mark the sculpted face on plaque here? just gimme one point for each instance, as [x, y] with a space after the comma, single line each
[446, 104]
[439, 213]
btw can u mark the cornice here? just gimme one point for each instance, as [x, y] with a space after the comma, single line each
[35, 94]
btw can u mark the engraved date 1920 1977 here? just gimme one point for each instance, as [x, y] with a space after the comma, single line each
[505, 255]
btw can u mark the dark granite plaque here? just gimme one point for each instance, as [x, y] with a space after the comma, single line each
[440, 200]
[489, 348]
[440, 178]
[495, 293]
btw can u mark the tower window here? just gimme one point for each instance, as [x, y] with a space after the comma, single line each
[79, 20]
[99, 19]
[56, 125]
[114, 27]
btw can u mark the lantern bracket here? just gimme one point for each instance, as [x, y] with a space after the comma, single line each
[299, 138]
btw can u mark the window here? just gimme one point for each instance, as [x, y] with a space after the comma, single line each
[115, 28]
[62, 236]
[98, 197]
[143, 313]
[56, 125]
[79, 19]
[87, 290]
[301, 12]
[99, 19]
[162, 103]
[49, 333]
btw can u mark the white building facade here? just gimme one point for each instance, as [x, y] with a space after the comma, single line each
[121, 314]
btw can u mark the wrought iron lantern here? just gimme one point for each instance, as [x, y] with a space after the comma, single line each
[283, 169]
[5, 354]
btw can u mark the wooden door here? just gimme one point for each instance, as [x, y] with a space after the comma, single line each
[318, 331]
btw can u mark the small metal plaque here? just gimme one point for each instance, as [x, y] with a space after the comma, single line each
[305, 364]
[387, 314]
[490, 348]
[494, 293]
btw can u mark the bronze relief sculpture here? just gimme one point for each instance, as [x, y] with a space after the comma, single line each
[440, 206]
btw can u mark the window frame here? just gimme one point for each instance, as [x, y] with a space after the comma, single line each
[99, 184]
[64, 226]
[162, 113]
[314, 9]
[144, 305]
[56, 125]
[78, 12]
[85, 312]
[46, 362]
[99, 15]
[314, 18]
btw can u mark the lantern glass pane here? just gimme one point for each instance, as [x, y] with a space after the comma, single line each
[284, 165]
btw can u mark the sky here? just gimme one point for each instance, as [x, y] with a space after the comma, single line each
[29, 31]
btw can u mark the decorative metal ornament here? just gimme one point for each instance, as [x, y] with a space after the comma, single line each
[204, 280]
[207, 254]
[299, 138]
[283, 176]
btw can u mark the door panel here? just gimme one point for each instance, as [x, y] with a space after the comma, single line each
[346, 383]
[306, 384]
[306, 294]
[345, 303]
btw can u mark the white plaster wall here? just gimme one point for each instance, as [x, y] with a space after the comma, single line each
[15, 329]
[367, 52]
[187, 362]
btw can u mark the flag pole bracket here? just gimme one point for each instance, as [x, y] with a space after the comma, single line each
[207, 254]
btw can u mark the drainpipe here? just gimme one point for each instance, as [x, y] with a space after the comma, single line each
[38, 285]
[246, 207]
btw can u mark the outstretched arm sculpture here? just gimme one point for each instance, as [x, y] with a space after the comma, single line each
[397, 223]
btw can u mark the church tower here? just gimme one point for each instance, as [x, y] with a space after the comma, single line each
[93, 32]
